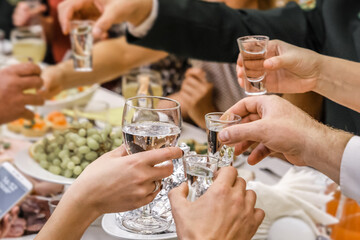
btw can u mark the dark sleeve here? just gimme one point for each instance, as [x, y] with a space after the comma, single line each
[208, 31]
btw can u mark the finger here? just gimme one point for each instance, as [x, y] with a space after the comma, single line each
[240, 185]
[258, 154]
[120, 151]
[250, 118]
[197, 73]
[149, 198]
[250, 199]
[242, 147]
[157, 156]
[27, 114]
[283, 61]
[226, 176]
[248, 105]
[162, 171]
[38, 10]
[106, 20]
[193, 83]
[253, 131]
[240, 75]
[30, 83]
[31, 99]
[178, 195]
[259, 215]
[26, 69]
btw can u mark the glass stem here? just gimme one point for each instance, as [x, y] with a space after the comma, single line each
[146, 211]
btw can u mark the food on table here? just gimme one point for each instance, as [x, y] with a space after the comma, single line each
[36, 127]
[69, 93]
[199, 148]
[57, 120]
[69, 152]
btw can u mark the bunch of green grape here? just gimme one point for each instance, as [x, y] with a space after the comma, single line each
[69, 152]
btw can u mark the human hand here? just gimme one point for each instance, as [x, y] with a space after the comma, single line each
[279, 126]
[290, 69]
[105, 12]
[196, 95]
[130, 180]
[53, 81]
[225, 211]
[23, 13]
[7, 221]
[14, 81]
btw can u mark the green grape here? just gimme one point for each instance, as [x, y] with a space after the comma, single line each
[56, 162]
[55, 169]
[118, 134]
[92, 144]
[75, 124]
[84, 164]
[77, 170]
[68, 173]
[71, 165]
[68, 135]
[71, 145]
[104, 136]
[44, 164]
[60, 140]
[97, 137]
[75, 159]
[84, 149]
[91, 156]
[82, 132]
[107, 129]
[42, 157]
[39, 148]
[63, 165]
[107, 145]
[80, 141]
[57, 151]
[117, 142]
[113, 147]
[64, 153]
[112, 136]
[74, 137]
[51, 156]
[91, 131]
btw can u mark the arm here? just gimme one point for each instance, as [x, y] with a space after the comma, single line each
[111, 59]
[208, 31]
[129, 185]
[200, 29]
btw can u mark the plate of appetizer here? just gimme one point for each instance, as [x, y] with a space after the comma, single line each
[37, 128]
[63, 155]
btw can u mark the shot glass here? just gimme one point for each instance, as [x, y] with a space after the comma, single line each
[253, 52]
[81, 45]
[215, 122]
[199, 172]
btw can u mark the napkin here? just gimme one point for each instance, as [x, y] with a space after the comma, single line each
[298, 194]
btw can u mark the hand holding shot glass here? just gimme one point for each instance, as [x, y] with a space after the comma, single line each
[253, 53]
[82, 44]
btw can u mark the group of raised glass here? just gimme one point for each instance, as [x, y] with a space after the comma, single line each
[151, 122]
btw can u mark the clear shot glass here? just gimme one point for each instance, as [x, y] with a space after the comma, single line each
[253, 53]
[82, 44]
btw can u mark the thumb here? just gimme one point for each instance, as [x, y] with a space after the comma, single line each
[104, 23]
[278, 62]
[178, 195]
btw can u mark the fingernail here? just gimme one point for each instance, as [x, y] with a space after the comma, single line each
[224, 136]
[270, 63]
[97, 31]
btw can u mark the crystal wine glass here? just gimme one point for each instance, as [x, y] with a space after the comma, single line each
[149, 123]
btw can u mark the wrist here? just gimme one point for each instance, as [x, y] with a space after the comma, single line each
[326, 150]
[321, 64]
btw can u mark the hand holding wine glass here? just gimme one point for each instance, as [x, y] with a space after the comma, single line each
[149, 123]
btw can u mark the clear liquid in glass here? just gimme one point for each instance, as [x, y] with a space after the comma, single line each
[224, 153]
[82, 44]
[199, 179]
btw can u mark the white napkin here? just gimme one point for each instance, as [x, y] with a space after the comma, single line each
[298, 194]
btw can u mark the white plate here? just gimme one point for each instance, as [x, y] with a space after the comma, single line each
[109, 225]
[29, 166]
[68, 102]
[189, 131]
[18, 136]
